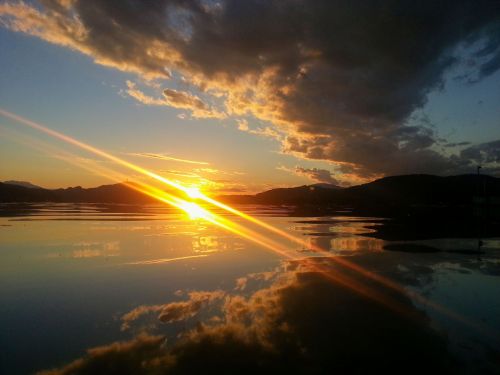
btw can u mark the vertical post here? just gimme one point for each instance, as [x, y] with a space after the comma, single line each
[480, 199]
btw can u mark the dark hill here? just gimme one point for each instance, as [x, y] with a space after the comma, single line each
[296, 196]
[22, 183]
[422, 190]
[395, 190]
[422, 206]
[117, 193]
[386, 195]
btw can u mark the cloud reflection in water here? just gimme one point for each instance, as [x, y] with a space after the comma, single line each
[299, 323]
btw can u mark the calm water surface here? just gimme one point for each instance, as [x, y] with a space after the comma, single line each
[180, 293]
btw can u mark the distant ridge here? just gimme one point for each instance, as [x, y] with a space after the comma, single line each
[383, 196]
[391, 191]
[22, 183]
[323, 185]
[117, 193]
[395, 196]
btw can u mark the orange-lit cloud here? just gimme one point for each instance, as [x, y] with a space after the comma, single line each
[180, 173]
[175, 311]
[175, 99]
[314, 174]
[141, 97]
[185, 100]
[266, 131]
[160, 156]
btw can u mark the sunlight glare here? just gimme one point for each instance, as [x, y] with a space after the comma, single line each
[195, 211]
[194, 192]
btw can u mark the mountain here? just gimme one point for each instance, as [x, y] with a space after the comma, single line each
[323, 185]
[117, 193]
[395, 196]
[387, 191]
[420, 206]
[306, 194]
[386, 196]
[22, 183]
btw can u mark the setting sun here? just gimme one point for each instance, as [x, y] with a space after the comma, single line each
[194, 192]
[195, 211]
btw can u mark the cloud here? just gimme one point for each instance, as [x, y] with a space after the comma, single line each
[484, 153]
[341, 80]
[181, 173]
[138, 95]
[175, 99]
[212, 171]
[243, 125]
[318, 175]
[266, 131]
[174, 311]
[456, 144]
[185, 100]
[152, 155]
[300, 322]
[242, 282]
[137, 356]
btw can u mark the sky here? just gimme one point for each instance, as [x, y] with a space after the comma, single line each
[241, 96]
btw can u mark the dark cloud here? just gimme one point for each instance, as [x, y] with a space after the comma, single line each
[318, 175]
[303, 322]
[485, 153]
[137, 356]
[457, 144]
[342, 78]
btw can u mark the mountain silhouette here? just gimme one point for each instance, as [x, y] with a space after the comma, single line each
[419, 206]
[117, 193]
[22, 183]
[388, 191]
[388, 195]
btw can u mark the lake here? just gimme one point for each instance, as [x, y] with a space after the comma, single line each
[129, 289]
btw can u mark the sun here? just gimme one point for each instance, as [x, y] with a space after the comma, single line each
[195, 211]
[193, 192]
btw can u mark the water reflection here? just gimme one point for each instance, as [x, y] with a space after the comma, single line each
[300, 323]
[87, 249]
[342, 235]
[151, 292]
